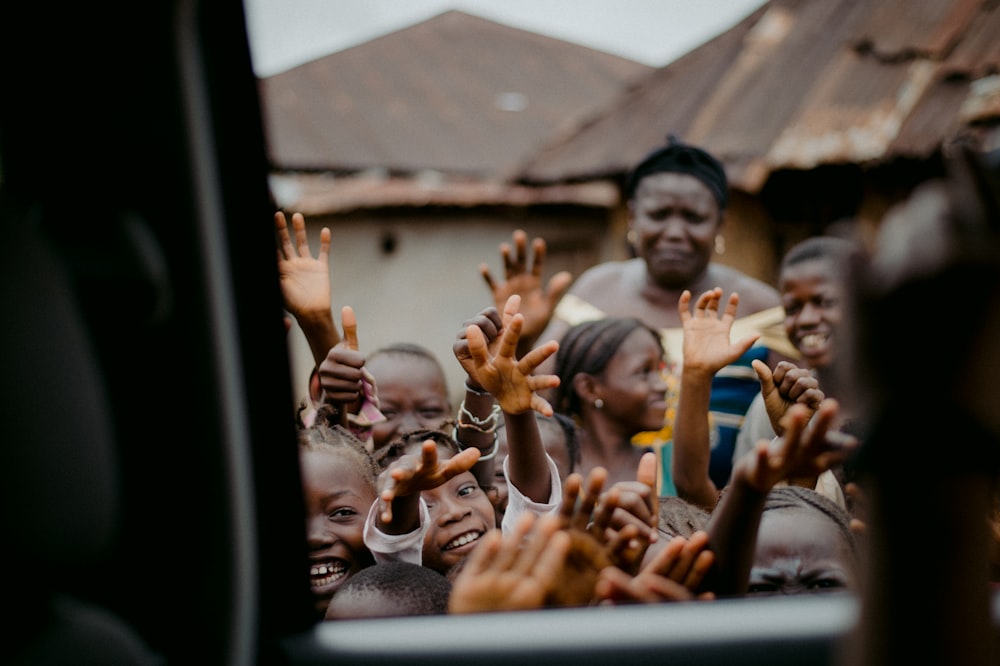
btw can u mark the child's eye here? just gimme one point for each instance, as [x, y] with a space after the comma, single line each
[762, 588]
[465, 491]
[342, 513]
[825, 583]
[431, 413]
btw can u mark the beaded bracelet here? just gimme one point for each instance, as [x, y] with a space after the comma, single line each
[483, 457]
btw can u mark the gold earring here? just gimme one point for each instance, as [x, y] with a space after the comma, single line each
[720, 244]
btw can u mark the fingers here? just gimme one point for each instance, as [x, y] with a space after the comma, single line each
[477, 345]
[708, 303]
[350, 324]
[515, 258]
[484, 270]
[571, 493]
[646, 475]
[730, 312]
[684, 306]
[558, 286]
[764, 375]
[511, 336]
[530, 361]
[539, 249]
[324, 245]
[287, 250]
[301, 241]
[541, 405]
[510, 308]
[595, 484]
[505, 559]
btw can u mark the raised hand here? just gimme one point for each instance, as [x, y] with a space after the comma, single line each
[807, 449]
[342, 374]
[539, 302]
[787, 385]
[633, 505]
[305, 283]
[513, 572]
[491, 324]
[511, 381]
[674, 574]
[707, 343]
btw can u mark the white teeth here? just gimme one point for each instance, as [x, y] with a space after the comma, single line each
[458, 542]
[325, 573]
[813, 340]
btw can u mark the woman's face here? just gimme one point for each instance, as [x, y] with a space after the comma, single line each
[798, 552]
[412, 395]
[812, 298]
[676, 218]
[632, 385]
[337, 498]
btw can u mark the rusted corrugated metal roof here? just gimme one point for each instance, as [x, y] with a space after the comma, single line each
[456, 93]
[800, 83]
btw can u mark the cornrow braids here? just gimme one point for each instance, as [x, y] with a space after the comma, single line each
[406, 442]
[587, 348]
[321, 436]
[799, 497]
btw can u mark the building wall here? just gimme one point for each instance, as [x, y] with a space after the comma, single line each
[413, 276]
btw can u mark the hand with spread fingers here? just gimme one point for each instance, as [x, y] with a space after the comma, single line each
[539, 302]
[305, 283]
[517, 571]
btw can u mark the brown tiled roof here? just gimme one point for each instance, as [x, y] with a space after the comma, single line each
[800, 83]
[456, 93]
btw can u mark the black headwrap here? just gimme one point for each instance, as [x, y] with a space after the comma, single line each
[677, 157]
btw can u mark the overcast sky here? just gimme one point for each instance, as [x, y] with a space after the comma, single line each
[286, 33]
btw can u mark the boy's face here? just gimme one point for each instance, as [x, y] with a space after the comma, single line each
[799, 552]
[412, 396]
[337, 499]
[813, 303]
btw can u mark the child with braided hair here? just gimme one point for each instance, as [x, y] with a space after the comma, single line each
[804, 544]
[338, 482]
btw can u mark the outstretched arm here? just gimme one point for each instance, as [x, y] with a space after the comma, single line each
[811, 446]
[707, 349]
[515, 389]
[400, 485]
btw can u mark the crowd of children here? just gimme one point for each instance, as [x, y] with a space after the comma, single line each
[537, 491]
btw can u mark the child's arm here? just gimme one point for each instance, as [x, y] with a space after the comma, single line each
[477, 420]
[305, 284]
[707, 349]
[515, 389]
[810, 446]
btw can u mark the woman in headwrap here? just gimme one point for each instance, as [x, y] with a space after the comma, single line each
[677, 198]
